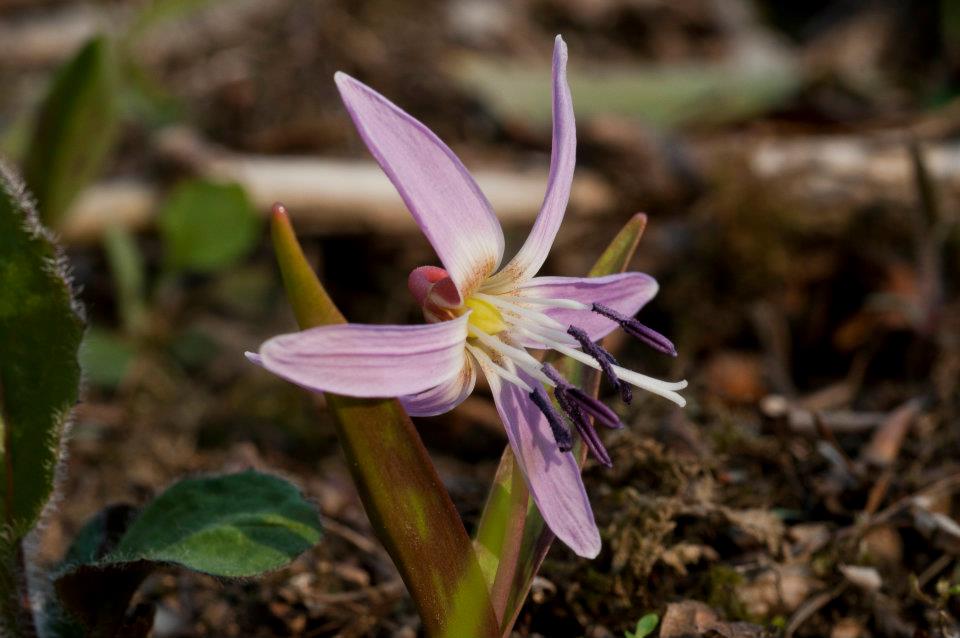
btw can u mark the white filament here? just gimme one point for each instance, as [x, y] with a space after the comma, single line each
[544, 329]
[486, 362]
[526, 313]
[569, 304]
[520, 357]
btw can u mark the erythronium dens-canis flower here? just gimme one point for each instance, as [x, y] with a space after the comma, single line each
[481, 318]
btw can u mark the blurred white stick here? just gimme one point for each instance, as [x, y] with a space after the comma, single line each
[327, 196]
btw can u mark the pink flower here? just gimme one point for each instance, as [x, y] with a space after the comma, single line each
[482, 318]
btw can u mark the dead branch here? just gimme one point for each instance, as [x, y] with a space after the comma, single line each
[324, 195]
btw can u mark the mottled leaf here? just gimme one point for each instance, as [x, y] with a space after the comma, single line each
[74, 131]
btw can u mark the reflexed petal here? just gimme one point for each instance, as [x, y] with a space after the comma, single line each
[625, 292]
[563, 157]
[442, 196]
[361, 360]
[445, 396]
[553, 477]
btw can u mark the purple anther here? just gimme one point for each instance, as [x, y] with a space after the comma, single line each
[637, 330]
[592, 440]
[605, 359]
[587, 432]
[567, 392]
[560, 432]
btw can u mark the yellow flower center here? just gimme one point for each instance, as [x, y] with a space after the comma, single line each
[485, 316]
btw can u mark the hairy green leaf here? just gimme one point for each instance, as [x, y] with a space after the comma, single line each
[207, 226]
[74, 131]
[40, 331]
[236, 525]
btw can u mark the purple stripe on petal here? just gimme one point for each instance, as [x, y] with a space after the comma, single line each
[445, 396]
[563, 157]
[362, 360]
[444, 199]
[626, 293]
[553, 477]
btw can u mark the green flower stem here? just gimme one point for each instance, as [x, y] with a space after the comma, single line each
[516, 513]
[401, 491]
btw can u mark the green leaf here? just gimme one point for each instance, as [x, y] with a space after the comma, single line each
[645, 626]
[40, 331]
[236, 525]
[92, 589]
[663, 96]
[74, 131]
[105, 358]
[127, 268]
[401, 491]
[510, 553]
[207, 226]
[157, 12]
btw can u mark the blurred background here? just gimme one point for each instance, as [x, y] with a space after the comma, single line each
[800, 166]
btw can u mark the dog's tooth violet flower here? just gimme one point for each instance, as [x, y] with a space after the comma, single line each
[484, 319]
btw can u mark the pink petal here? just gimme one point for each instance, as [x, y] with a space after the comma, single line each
[625, 292]
[430, 285]
[563, 157]
[369, 361]
[445, 396]
[442, 196]
[553, 477]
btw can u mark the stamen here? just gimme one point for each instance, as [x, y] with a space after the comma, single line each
[560, 433]
[555, 303]
[665, 389]
[548, 338]
[637, 330]
[605, 359]
[516, 308]
[592, 440]
[556, 335]
[593, 406]
[587, 432]
[520, 357]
